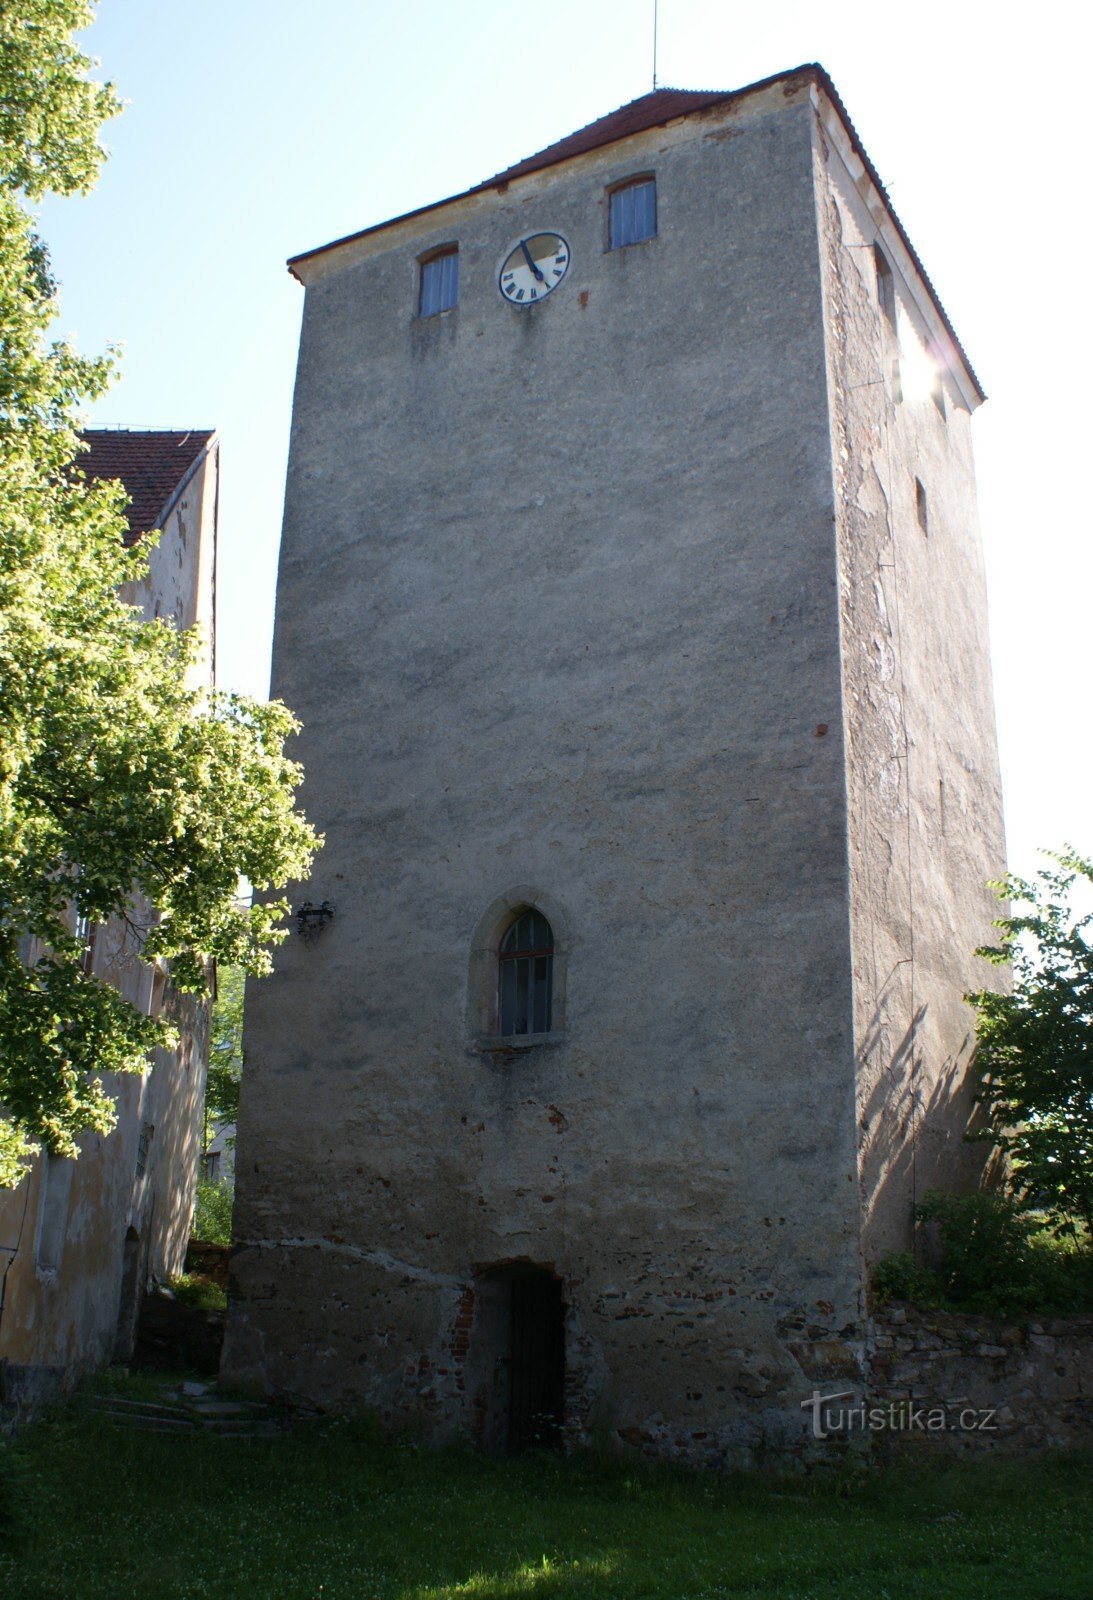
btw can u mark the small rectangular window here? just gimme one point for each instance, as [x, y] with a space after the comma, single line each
[922, 509]
[886, 286]
[633, 213]
[439, 283]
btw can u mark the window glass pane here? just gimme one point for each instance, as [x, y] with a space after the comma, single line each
[524, 979]
[530, 931]
[541, 996]
[521, 996]
[439, 283]
[506, 1021]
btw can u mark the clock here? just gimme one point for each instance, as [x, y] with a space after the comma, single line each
[533, 267]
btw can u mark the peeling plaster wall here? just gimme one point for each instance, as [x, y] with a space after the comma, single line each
[61, 1317]
[558, 609]
[923, 781]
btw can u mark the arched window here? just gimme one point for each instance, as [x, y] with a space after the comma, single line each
[525, 976]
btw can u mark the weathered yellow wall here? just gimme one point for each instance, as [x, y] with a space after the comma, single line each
[63, 1231]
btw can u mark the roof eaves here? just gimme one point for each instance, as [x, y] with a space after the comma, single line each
[811, 70]
[544, 159]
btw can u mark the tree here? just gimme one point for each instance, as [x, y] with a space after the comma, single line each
[1036, 1043]
[225, 1050]
[123, 793]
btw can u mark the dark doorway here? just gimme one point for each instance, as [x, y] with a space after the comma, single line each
[537, 1357]
[521, 1328]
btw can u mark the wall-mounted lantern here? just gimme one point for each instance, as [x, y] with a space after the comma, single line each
[312, 919]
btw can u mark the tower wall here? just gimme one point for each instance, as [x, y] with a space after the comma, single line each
[925, 806]
[558, 609]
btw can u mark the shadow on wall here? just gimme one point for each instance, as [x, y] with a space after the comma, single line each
[915, 1138]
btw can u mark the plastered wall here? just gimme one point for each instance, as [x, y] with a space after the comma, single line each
[571, 602]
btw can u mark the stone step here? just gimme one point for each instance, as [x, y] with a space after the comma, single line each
[118, 1403]
[230, 1408]
[200, 1409]
[134, 1421]
[266, 1428]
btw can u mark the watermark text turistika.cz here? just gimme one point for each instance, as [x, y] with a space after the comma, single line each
[830, 1416]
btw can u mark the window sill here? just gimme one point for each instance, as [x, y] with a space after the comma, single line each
[633, 244]
[505, 1044]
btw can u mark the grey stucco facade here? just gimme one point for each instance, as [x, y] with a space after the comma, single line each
[580, 606]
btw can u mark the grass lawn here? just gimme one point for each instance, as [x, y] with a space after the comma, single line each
[329, 1513]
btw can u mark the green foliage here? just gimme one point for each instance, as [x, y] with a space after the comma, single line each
[984, 1253]
[225, 1049]
[213, 1212]
[898, 1276]
[194, 1289]
[1036, 1044]
[124, 792]
[990, 1256]
[50, 111]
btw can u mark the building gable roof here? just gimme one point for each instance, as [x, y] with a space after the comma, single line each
[648, 111]
[654, 110]
[152, 464]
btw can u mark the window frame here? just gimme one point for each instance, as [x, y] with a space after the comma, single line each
[483, 991]
[431, 258]
[637, 180]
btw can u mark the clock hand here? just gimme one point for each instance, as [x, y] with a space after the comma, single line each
[530, 262]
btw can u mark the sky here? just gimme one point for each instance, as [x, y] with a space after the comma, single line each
[256, 129]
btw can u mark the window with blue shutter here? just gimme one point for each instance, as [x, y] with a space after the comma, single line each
[633, 213]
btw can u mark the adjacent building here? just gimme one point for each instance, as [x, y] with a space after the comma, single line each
[81, 1240]
[632, 601]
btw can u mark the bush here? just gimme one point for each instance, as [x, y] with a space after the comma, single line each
[213, 1212]
[988, 1255]
[194, 1289]
[899, 1277]
[982, 1250]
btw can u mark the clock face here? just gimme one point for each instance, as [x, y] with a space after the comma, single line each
[533, 267]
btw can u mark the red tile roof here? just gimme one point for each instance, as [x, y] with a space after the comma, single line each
[153, 465]
[648, 111]
[651, 111]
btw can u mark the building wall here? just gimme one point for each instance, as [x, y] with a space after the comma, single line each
[558, 608]
[79, 1240]
[924, 787]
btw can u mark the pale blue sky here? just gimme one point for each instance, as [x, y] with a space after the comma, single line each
[257, 128]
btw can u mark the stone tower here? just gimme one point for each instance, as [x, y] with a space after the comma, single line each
[632, 601]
